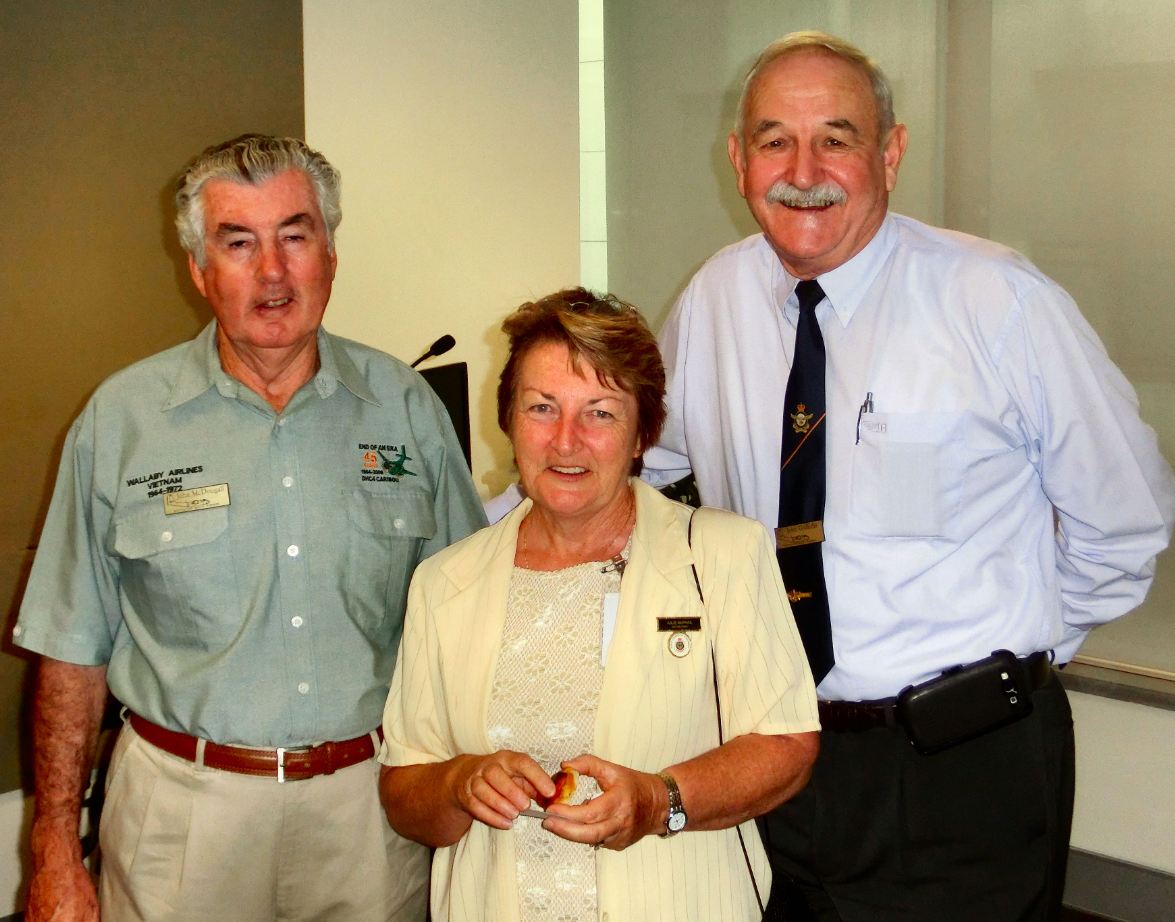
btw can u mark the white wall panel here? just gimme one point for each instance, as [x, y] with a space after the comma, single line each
[455, 125]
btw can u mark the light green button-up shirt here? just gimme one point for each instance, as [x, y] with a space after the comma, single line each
[243, 573]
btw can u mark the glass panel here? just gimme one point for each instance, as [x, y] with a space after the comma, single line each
[673, 72]
[1045, 127]
[1082, 160]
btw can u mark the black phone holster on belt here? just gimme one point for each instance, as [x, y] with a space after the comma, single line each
[969, 700]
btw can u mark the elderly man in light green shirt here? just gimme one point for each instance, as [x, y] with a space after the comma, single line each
[229, 547]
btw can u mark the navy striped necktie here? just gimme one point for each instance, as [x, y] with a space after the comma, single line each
[802, 480]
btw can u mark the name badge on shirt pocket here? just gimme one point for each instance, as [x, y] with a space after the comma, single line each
[210, 497]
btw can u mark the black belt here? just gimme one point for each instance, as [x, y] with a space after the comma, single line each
[858, 716]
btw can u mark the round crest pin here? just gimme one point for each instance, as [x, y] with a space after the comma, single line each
[680, 644]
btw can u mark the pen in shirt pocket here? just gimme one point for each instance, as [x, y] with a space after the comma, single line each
[866, 407]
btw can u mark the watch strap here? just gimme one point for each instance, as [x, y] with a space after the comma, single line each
[675, 805]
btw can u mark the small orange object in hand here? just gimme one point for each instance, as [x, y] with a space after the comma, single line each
[565, 780]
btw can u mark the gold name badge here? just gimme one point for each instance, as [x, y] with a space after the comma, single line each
[196, 498]
[797, 535]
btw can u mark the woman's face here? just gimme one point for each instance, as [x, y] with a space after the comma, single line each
[574, 438]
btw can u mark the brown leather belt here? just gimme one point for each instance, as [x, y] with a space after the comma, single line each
[282, 764]
[858, 716]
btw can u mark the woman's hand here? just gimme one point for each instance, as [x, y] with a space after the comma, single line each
[633, 805]
[494, 788]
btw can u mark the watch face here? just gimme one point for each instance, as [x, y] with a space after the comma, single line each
[676, 822]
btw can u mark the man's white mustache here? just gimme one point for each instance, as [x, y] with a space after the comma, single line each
[818, 196]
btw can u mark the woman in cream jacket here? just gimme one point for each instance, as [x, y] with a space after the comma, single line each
[585, 598]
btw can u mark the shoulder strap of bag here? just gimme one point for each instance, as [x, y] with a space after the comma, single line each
[718, 704]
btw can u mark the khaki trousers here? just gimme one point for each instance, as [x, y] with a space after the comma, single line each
[181, 843]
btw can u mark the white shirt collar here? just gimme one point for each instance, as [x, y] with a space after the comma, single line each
[846, 285]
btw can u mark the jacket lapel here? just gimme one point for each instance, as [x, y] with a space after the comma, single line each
[657, 583]
[470, 619]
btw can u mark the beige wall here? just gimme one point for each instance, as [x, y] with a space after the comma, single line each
[455, 126]
[101, 105]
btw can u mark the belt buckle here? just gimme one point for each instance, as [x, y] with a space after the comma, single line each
[282, 752]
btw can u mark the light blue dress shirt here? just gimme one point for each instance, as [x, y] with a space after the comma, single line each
[269, 612]
[968, 402]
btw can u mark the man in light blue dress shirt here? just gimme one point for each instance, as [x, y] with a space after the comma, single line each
[228, 548]
[990, 487]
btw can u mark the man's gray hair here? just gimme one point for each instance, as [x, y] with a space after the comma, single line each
[252, 159]
[822, 41]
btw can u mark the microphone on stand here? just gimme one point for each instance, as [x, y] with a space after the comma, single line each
[440, 347]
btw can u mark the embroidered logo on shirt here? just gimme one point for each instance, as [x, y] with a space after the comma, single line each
[385, 463]
[160, 482]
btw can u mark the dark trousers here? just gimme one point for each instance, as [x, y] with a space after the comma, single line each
[976, 832]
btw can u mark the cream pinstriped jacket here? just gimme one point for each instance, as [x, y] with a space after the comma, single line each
[655, 709]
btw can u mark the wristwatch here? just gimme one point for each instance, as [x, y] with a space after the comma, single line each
[676, 820]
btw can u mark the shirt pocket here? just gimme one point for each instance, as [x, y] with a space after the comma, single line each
[177, 573]
[385, 535]
[907, 474]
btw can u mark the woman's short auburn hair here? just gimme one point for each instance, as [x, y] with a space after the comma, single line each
[608, 334]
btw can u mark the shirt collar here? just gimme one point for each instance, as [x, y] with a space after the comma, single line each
[200, 369]
[846, 285]
[335, 367]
